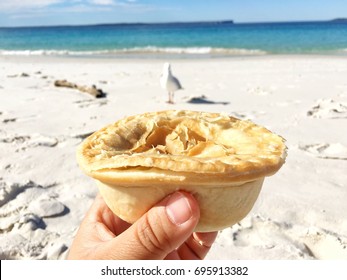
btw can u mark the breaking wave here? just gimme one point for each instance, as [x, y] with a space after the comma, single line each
[137, 50]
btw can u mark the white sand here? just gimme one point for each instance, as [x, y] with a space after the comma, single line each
[302, 210]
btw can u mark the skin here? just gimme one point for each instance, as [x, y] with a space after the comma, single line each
[164, 232]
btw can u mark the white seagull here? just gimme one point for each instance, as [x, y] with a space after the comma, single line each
[169, 82]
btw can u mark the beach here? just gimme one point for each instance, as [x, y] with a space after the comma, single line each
[301, 210]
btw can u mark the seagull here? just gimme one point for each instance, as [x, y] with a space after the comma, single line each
[169, 82]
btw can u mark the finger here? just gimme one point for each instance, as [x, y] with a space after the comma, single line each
[101, 213]
[161, 230]
[99, 225]
[91, 232]
[93, 228]
[205, 239]
[173, 256]
[197, 246]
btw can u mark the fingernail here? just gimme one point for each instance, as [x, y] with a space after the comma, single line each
[178, 209]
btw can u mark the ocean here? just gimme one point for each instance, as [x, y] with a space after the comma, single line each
[180, 39]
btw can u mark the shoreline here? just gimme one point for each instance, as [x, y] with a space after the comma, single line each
[164, 57]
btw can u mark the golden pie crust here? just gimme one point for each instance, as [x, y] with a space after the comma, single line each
[220, 159]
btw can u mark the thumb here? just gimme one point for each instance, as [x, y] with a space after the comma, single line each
[160, 231]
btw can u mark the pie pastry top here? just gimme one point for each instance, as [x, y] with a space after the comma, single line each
[187, 143]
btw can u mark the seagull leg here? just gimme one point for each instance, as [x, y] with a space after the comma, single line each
[170, 98]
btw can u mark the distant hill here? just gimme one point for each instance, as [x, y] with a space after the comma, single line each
[344, 20]
[169, 23]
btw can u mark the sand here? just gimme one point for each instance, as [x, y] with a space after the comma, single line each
[301, 211]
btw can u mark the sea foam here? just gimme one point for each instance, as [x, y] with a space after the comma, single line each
[136, 50]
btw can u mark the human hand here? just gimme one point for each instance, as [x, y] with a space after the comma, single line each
[164, 232]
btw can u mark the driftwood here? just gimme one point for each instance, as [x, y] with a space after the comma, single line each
[97, 93]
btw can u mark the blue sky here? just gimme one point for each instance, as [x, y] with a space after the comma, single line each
[60, 12]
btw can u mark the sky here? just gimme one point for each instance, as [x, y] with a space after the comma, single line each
[79, 12]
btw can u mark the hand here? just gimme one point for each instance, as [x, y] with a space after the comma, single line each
[164, 232]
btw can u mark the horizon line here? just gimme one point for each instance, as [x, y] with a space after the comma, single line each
[229, 21]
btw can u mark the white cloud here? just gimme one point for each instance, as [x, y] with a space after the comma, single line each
[115, 3]
[41, 9]
[10, 5]
[102, 2]
[30, 5]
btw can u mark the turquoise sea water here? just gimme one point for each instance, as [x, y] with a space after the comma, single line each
[212, 38]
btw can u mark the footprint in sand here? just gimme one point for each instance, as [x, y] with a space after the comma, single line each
[261, 232]
[326, 151]
[15, 139]
[47, 208]
[202, 99]
[325, 246]
[6, 118]
[42, 140]
[248, 115]
[328, 109]
[22, 75]
[317, 243]
[31, 141]
[91, 103]
[24, 210]
[10, 120]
